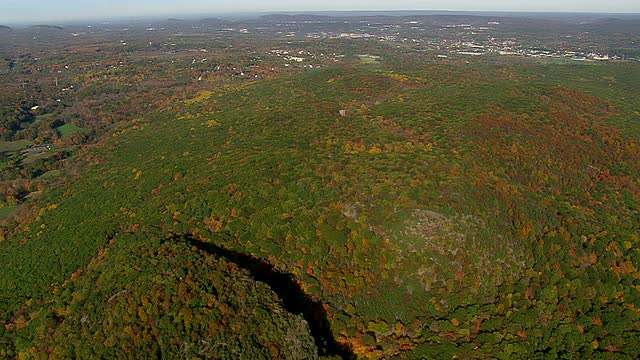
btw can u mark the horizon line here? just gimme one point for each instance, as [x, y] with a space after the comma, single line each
[192, 15]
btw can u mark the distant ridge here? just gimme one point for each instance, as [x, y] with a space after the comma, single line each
[214, 21]
[5, 29]
[293, 17]
[46, 27]
[613, 25]
[565, 16]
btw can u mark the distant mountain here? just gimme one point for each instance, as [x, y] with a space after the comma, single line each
[46, 27]
[5, 29]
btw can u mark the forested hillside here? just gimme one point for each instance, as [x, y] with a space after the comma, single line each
[478, 211]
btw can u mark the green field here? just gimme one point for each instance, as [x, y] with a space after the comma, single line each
[50, 175]
[9, 146]
[31, 158]
[369, 59]
[68, 129]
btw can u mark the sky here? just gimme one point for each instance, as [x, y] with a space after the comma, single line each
[15, 11]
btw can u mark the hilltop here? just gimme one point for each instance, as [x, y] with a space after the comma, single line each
[422, 222]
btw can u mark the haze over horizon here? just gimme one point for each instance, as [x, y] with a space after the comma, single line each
[31, 11]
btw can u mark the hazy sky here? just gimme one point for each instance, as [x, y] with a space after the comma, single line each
[12, 11]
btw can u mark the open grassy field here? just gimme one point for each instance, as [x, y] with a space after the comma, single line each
[10, 146]
[51, 175]
[31, 158]
[369, 59]
[68, 129]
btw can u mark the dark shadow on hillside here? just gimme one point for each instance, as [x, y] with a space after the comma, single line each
[293, 297]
